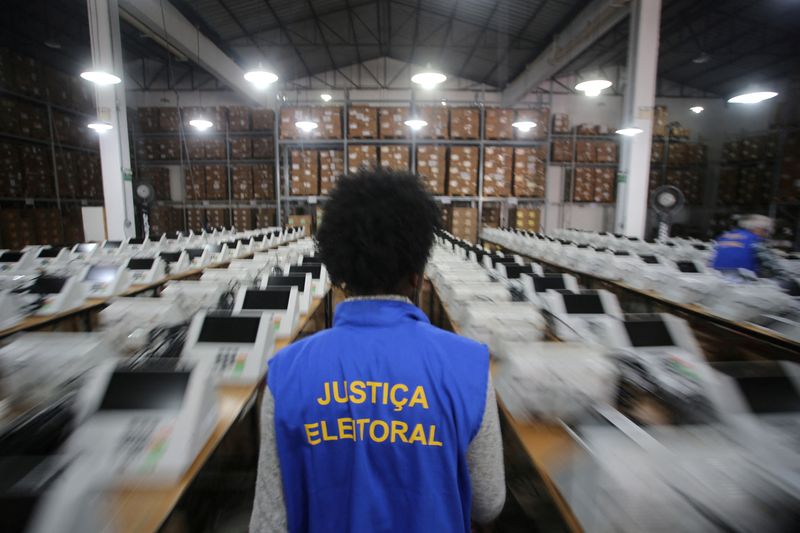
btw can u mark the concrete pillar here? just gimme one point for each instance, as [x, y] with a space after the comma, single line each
[640, 93]
[115, 156]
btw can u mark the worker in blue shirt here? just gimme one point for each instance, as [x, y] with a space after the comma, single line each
[743, 247]
[383, 422]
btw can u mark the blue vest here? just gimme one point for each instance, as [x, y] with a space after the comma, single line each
[373, 419]
[736, 249]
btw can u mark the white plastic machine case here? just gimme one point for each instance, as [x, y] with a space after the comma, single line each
[304, 295]
[71, 293]
[238, 353]
[140, 276]
[110, 247]
[585, 321]
[198, 294]
[176, 267]
[320, 284]
[12, 261]
[529, 287]
[105, 280]
[45, 256]
[144, 444]
[285, 319]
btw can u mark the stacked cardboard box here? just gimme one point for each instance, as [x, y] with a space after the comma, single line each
[37, 172]
[692, 187]
[242, 218]
[11, 185]
[331, 168]
[678, 155]
[27, 76]
[89, 176]
[604, 185]
[290, 115]
[263, 148]
[731, 151]
[158, 177]
[446, 217]
[498, 123]
[587, 129]
[216, 182]
[490, 217]
[655, 179]
[585, 152]
[16, 229]
[148, 119]
[463, 171]
[660, 121]
[168, 119]
[606, 151]
[238, 118]
[789, 179]
[242, 182]
[262, 119]
[362, 122]
[306, 221]
[542, 119]
[217, 217]
[395, 157]
[263, 182]
[527, 218]
[195, 182]
[561, 123]
[329, 120]
[562, 151]
[33, 121]
[159, 220]
[215, 149]
[584, 185]
[465, 123]
[195, 219]
[241, 148]
[657, 152]
[497, 170]
[66, 169]
[728, 185]
[47, 224]
[465, 223]
[768, 147]
[529, 172]
[196, 148]
[9, 116]
[72, 224]
[265, 217]
[676, 131]
[392, 122]
[432, 167]
[304, 175]
[59, 87]
[361, 156]
[438, 122]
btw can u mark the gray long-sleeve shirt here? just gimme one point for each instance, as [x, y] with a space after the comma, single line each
[484, 458]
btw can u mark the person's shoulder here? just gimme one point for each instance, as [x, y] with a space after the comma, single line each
[453, 341]
[301, 346]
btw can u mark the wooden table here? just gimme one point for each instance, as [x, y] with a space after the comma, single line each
[141, 510]
[721, 339]
[546, 446]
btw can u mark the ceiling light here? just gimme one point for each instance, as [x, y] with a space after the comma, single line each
[444, 102]
[261, 78]
[629, 132]
[702, 58]
[416, 123]
[98, 77]
[752, 98]
[326, 97]
[428, 80]
[697, 109]
[50, 43]
[592, 87]
[306, 125]
[524, 125]
[200, 124]
[100, 127]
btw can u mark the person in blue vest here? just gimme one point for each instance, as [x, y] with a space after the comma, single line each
[383, 422]
[743, 247]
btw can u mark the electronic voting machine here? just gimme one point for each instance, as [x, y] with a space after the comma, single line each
[318, 273]
[304, 285]
[280, 302]
[105, 280]
[584, 315]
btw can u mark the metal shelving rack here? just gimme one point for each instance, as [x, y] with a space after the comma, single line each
[55, 146]
[184, 162]
[665, 167]
[477, 200]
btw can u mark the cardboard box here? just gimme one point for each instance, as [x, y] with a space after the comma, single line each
[196, 148]
[432, 167]
[562, 151]
[585, 152]
[288, 117]
[540, 116]
[297, 221]
[678, 154]
[657, 152]
[263, 181]
[446, 217]
[463, 171]
[263, 148]
[304, 173]
[438, 120]
[27, 76]
[148, 119]
[561, 124]
[195, 219]
[529, 172]
[262, 119]
[584, 185]
[242, 218]
[195, 182]
[331, 168]
[605, 151]
[329, 119]
[215, 149]
[216, 182]
[604, 185]
[217, 217]
[490, 217]
[362, 122]
[241, 148]
[498, 123]
[361, 156]
[392, 123]
[33, 122]
[242, 182]
[158, 177]
[465, 123]
[167, 149]
[527, 218]
[587, 129]
[395, 157]
[660, 121]
[497, 170]
[9, 116]
[465, 223]
[238, 118]
[168, 119]
[265, 217]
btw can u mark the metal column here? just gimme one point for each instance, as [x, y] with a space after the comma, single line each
[640, 95]
[115, 157]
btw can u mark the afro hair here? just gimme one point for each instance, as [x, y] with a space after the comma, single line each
[377, 231]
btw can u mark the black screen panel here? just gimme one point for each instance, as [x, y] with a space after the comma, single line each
[276, 299]
[242, 329]
[648, 333]
[145, 390]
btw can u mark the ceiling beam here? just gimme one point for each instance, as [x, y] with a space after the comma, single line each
[165, 21]
[591, 24]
